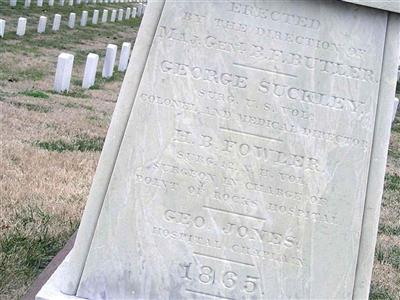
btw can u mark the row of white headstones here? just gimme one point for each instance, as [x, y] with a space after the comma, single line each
[129, 13]
[40, 3]
[65, 64]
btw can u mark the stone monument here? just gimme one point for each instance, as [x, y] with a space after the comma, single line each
[245, 158]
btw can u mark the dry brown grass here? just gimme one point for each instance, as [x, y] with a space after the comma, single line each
[43, 192]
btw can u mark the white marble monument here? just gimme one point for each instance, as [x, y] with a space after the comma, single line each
[63, 75]
[71, 20]
[84, 18]
[113, 15]
[2, 27]
[120, 14]
[95, 17]
[245, 158]
[104, 16]
[21, 26]
[128, 13]
[124, 57]
[56, 22]
[109, 61]
[42, 24]
[89, 75]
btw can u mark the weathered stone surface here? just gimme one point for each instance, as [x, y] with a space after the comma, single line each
[51, 2]
[246, 159]
[39, 3]
[21, 26]
[62, 79]
[42, 24]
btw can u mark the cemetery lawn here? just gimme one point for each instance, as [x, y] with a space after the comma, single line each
[50, 145]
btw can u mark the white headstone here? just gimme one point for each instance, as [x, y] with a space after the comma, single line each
[95, 17]
[51, 2]
[105, 1]
[42, 24]
[104, 17]
[71, 20]
[2, 27]
[89, 76]
[124, 57]
[134, 12]
[128, 13]
[139, 10]
[109, 61]
[395, 106]
[245, 158]
[111, 1]
[27, 3]
[56, 22]
[84, 18]
[21, 27]
[62, 2]
[13, 3]
[94, 1]
[78, 2]
[100, 1]
[62, 79]
[70, 2]
[120, 14]
[39, 3]
[113, 15]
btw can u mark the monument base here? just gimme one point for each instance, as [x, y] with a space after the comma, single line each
[52, 288]
[47, 286]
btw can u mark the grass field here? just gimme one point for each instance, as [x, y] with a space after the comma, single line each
[50, 145]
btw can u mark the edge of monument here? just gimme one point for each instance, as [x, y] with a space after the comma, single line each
[65, 280]
[388, 5]
[379, 152]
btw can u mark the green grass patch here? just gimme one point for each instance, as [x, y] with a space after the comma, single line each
[379, 293]
[15, 75]
[81, 143]
[35, 94]
[389, 229]
[31, 107]
[27, 247]
[392, 182]
[390, 255]
[77, 105]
